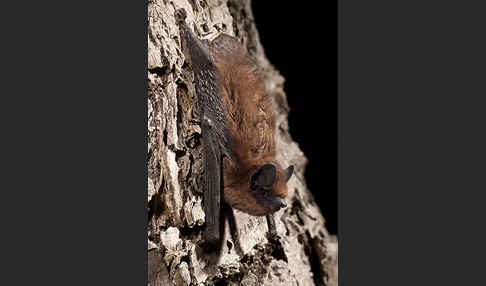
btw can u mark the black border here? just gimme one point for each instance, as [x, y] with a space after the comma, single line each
[74, 110]
[412, 142]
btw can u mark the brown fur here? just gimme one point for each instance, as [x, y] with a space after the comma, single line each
[251, 123]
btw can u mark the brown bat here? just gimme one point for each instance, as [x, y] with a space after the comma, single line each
[238, 131]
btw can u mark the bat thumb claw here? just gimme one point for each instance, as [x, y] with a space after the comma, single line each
[181, 15]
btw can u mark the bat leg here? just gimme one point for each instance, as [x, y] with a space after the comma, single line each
[272, 229]
[233, 229]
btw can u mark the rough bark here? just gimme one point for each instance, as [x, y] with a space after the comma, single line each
[305, 253]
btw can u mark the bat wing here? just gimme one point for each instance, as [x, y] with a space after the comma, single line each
[215, 143]
[211, 182]
[213, 127]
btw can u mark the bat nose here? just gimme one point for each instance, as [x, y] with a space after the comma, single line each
[280, 204]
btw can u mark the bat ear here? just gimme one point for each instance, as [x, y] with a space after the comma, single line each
[288, 172]
[265, 176]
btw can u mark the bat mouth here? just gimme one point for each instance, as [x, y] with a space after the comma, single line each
[278, 203]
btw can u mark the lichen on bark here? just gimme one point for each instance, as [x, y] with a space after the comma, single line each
[304, 254]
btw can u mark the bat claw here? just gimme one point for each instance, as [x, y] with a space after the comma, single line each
[272, 236]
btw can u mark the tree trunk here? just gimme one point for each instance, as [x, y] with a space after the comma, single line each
[304, 254]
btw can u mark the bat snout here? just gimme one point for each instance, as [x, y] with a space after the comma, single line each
[278, 204]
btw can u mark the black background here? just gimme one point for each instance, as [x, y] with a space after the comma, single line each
[301, 42]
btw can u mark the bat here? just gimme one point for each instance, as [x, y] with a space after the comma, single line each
[238, 132]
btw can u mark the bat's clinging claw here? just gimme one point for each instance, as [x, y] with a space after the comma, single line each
[272, 228]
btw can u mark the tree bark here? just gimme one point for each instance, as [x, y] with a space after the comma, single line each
[304, 254]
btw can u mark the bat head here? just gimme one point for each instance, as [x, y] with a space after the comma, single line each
[268, 185]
